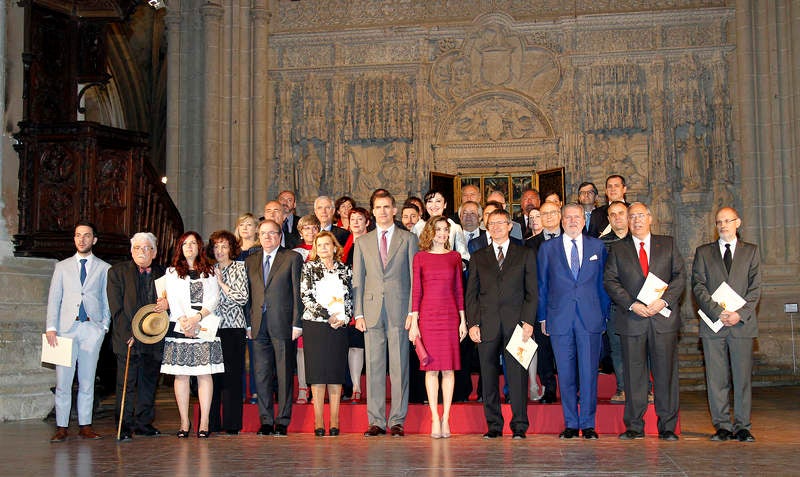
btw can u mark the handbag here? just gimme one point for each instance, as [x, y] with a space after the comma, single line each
[422, 353]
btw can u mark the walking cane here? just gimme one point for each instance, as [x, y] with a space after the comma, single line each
[124, 391]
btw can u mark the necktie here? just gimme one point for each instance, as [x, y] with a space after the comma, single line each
[548, 236]
[574, 261]
[643, 259]
[588, 217]
[384, 248]
[82, 310]
[144, 269]
[266, 270]
[727, 259]
[286, 226]
[500, 258]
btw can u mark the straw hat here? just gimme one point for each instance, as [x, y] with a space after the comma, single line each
[148, 326]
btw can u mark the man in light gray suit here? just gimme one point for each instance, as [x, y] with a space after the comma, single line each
[382, 289]
[77, 308]
[728, 352]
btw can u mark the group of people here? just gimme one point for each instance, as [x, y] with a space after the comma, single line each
[370, 286]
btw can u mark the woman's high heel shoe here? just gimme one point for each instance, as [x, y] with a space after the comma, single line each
[203, 434]
[184, 434]
[302, 396]
[445, 429]
[356, 397]
[436, 429]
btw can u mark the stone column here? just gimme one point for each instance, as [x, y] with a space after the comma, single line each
[241, 155]
[207, 189]
[262, 104]
[172, 21]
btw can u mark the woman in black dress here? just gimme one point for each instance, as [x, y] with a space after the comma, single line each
[325, 287]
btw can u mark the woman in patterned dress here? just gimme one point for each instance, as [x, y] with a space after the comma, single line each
[193, 294]
[232, 332]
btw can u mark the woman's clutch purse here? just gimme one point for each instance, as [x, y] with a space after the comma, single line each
[422, 353]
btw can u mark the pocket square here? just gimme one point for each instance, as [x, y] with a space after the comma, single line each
[593, 257]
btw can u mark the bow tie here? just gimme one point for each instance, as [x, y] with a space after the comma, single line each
[144, 270]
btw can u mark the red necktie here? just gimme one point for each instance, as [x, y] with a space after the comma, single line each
[384, 249]
[643, 259]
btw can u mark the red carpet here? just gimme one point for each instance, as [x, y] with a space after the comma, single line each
[465, 418]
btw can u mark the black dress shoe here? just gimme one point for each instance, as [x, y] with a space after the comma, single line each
[630, 435]
[375, 431]
[668, 436]
[333, 432]
[548, 398]
[590, 433]
[518, 435]
[232, 432]
[319, 432]
[148, 431]
[125, 435]
[493, 435]
[569, 433]
[722, 435]
[743, 435]
[266, 430]
[398, 431]
[280, 430]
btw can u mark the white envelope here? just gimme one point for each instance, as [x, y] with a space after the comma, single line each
[61, 354]
[727, 298]
[522, 351]
[651, 291]
[714, 325]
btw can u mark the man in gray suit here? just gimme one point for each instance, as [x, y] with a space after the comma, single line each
[273, 274]
[643, 330]
[382, 289]
[77, 308]
[728, 352]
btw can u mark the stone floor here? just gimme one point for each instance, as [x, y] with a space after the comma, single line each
[25, 450]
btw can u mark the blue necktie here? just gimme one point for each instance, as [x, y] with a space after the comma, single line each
[82, 310]
[574, 261]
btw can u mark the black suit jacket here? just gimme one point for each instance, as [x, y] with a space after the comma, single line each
[598, 221]
[281, 295]
[501, 297]
[623, 279]
[340, 234]
[537, 240]
[122, 301]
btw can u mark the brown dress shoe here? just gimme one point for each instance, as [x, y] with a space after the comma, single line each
[87, 432]
[398, 431]
[61, 435]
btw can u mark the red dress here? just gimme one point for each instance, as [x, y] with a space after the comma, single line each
[437, 294]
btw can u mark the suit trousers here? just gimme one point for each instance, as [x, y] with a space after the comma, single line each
[546, 364]
[578, 352]
[226, 403]
[488, 352]
[662, 349]
[273, 357]
[87, 339]
[616, 352]
[386, 335]
[140, 394]
[727, 357]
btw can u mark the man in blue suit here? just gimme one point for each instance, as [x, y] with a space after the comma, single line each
[573, 309]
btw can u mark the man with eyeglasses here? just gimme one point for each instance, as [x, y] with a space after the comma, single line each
[131, 285]
[615, 190]
[501, 295]
[500, 198]
[728, 352]
[647, 330]
[587, 198]
[273, 274]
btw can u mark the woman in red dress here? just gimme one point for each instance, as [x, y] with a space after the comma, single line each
[437, 316]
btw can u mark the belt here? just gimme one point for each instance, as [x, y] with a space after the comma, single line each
[78, 318]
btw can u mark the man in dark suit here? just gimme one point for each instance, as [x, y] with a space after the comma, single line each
[382, 270]
[615, 190]
[323, 209]
[501, 294]
[587, 198]
[530, 200]
[573, 309]
[644, 330]
[289, 203]
[275, 310]
[729, 351]
[273, 210]
[131, 285]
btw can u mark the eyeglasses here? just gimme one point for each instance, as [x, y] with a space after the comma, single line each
[587, 192]
[497, 223]
[725, 221]
[637, 216]
[146, 248]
